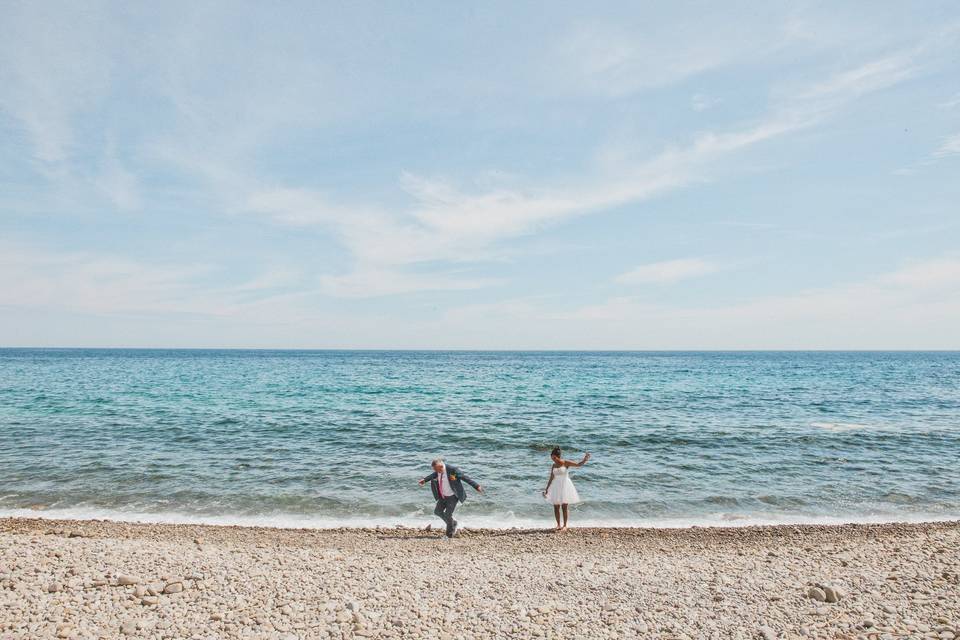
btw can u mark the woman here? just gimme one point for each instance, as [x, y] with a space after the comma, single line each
[560, 491]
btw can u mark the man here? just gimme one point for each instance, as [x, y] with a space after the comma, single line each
[446, 482]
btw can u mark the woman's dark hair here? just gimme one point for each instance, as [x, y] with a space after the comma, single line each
[555, 452]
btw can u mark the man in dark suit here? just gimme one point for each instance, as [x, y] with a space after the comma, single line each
[446, 482]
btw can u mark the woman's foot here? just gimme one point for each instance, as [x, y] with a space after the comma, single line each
[562, 529]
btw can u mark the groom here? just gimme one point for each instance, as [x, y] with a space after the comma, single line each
[446, 482]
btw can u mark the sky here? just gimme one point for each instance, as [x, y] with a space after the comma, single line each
[497, 175]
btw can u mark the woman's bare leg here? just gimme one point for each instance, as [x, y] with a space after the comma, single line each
[556, 514]
[566, 514]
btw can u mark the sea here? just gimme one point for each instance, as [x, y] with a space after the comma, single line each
[341, 438]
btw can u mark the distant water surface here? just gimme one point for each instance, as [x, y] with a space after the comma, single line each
[323, 438]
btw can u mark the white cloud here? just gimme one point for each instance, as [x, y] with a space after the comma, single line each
[702, 102]
[386, 282]
[271, 280]
[224, 114]
[885, 312]
[84, 281]
[295, 206]
[917, 306]
[932, 274]
[949, 147]
[668, 271]
[950, 103]
[872, 76]
[49, 75]
[108, 284]
[448, 221]
[615, 59]
[120, 186]
[448, 224]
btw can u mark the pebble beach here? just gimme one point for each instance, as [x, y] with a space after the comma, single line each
[101, 579]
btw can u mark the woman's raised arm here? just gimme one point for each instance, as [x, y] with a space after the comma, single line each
[571, 463]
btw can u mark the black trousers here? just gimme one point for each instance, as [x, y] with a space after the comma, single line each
[444, 511]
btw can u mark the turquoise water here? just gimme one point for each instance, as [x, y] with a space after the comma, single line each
[322, 438]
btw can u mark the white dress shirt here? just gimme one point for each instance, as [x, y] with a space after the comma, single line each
[445, 489]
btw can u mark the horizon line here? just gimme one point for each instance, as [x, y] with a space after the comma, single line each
[474, 350]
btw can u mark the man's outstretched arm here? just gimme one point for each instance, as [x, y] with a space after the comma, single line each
[470, 482]
[429, 478]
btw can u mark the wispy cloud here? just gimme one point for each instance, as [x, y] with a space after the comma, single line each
[98, 283]
[414, 176]
[48, 77]
[949, 147]
[912, 307]
[703, 102]
[450, 224]
[618, 58]
[107, 283]
[950, 103]
[384, 282]
[927, 275]
[668, 271]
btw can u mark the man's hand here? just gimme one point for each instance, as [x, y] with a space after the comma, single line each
[479, 489]
[421, 482]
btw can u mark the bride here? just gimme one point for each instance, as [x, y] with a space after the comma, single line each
[560, 491]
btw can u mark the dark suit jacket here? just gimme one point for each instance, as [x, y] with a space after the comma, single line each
[456, 478]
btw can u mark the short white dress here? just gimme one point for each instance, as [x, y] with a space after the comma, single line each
[561, 490]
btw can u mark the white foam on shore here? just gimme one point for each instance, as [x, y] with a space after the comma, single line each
[500, 522]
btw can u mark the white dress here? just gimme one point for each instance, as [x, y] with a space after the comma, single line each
[561, 490]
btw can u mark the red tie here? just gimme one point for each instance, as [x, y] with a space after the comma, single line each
[440, 483]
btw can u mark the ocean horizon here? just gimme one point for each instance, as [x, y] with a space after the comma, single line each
[328, 438]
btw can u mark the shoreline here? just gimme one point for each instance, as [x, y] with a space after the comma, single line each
[110, 527]
[473, 522]
[87, 579]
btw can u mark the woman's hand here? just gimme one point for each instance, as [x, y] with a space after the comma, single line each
[544, 493]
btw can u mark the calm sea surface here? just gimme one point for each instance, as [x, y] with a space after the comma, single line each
[322, 438]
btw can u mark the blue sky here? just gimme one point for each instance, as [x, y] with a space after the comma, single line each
[495, 175]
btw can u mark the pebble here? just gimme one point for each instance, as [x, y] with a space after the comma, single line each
[173, 587]
[125, 581]
[833, 594]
